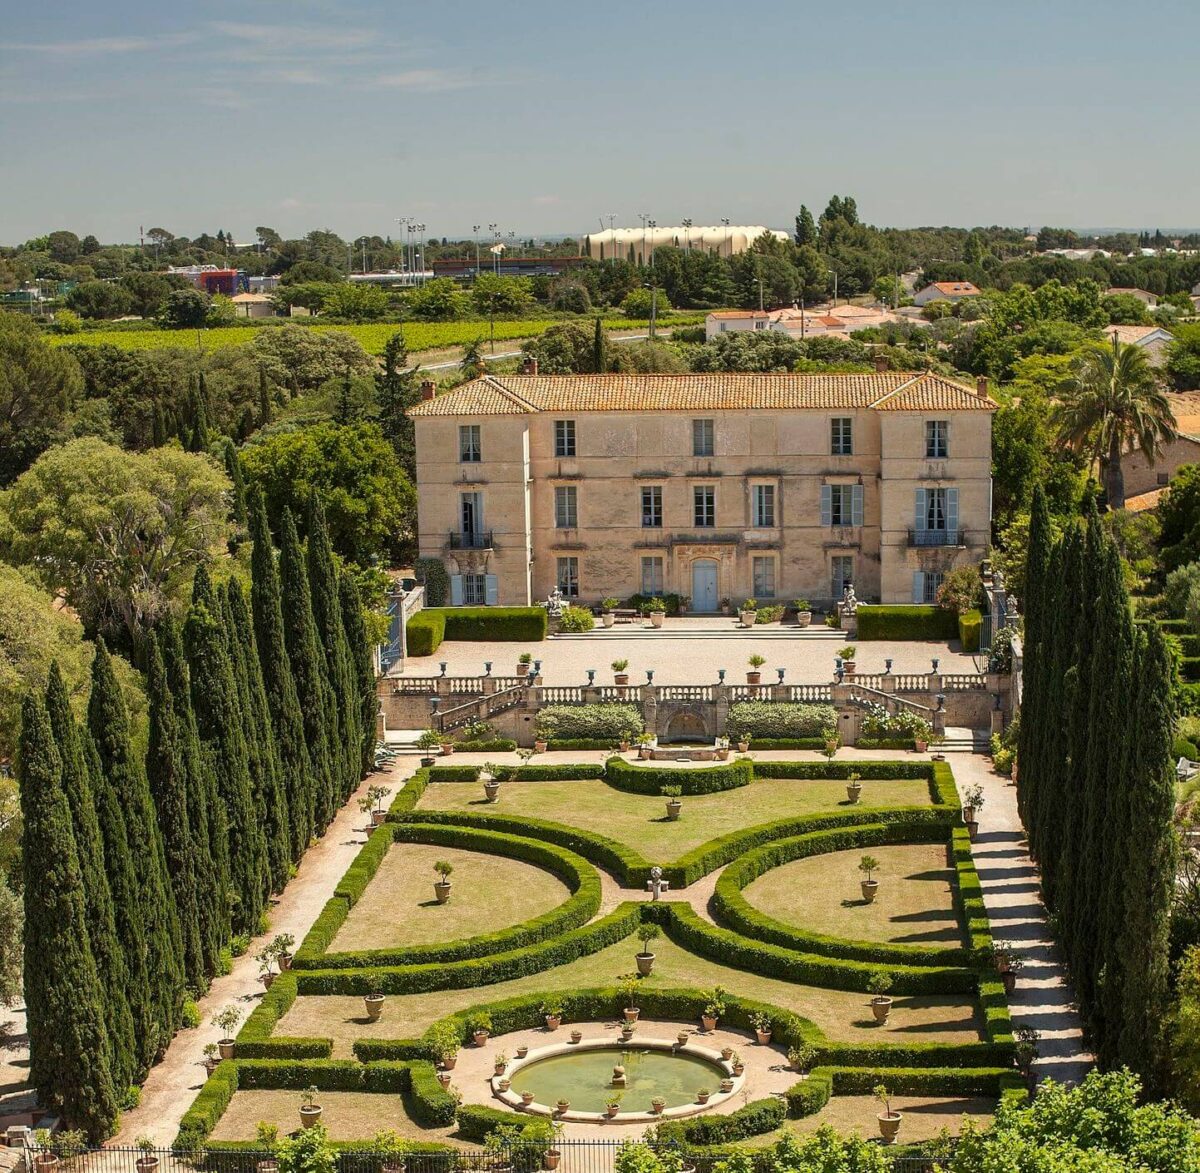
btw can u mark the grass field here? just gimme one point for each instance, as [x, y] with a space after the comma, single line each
[418, 336]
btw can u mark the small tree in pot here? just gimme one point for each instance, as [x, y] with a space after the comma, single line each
[444, 1043]
[889, 1121]
[491, 781]
[656, 609]
[714, 1009]
[552, 1012]
[972, 805]
[282, 945]
[629, 988]
[762, 1027]
[831, 745]
[226, 1021]
[848, 664]
[756, 662]
[620, 676]
[802, 1058]
[147, 1162]
[373, 999]
[803, 611]
[391, 1150]
[1026, 1052]
[479, 1026]
[868, 865]
[646, 933]
[608, 611]
[674, 806]
[441, 888]
[429, 739]
[371, 804]
[211, 1060]
[1009, 976]
[879, 983]
[853, 786]
[310, 1110]
[748, 615]
[266, 1136]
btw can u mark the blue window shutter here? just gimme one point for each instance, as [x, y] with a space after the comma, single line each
[826, 505]
[952, 510]
[856, 505]
[918, 586]
[456, 591]
[491, 590]
[920, 513]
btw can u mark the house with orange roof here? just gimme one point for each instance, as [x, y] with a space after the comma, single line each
[1143, 477]
[945, 291]
[712, 486]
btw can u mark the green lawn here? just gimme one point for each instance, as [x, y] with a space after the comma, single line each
[915, 904]
[640, 820]
[841, 1014]
[924, 1117]
[488, 893]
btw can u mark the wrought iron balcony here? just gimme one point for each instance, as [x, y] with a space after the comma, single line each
[936, 537]
[470, 540]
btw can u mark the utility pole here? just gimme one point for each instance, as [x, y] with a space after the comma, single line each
[653, 225]
[612, 236]
[475, 230]
[725, 221]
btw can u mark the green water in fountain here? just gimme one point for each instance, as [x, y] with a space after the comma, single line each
[585, 1078]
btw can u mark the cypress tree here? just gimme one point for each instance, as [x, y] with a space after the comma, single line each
[219, 724]
[308, 668]
[206, 815]
[296, 768]
[166, 772]
[126, 775]
[345, 735]
[599, 349]
[270, 799]
[233, 466]
[70, 1055]
[264, 398]
[1036, 652]
[363, 664]
[97, 897]
[198, 441]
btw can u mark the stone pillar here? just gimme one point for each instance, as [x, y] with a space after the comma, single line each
[887, 683]
[721, 701]
[934, 685]
[650, 708]
[779, 692]
[488, 684]
[591, 694]
[997, 716]
[939, 720]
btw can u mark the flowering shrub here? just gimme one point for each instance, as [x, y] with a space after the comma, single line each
[878, 722]
[779, 719]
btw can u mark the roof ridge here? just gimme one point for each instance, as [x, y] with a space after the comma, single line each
[902, 386]
[507, 392]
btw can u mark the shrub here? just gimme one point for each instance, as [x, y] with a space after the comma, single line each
[961, 590]
[651, 779]
[779, 719]
[905, 723]
[906, 622]
[424, 632]
[576, 619]
[432, 573]
[609, 722]
[772, 614]
[638, 602]
[970, 628]
[1179, 586]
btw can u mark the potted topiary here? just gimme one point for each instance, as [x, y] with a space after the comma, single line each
[226, 1021]
[608, 612]
[613, 1106]
[1009, 976]
[147, 1162]
[646, 933]
[714, 1009]
[282, 945]
[429, 739]
[646, 742]
[878, 985]
[802, 1058]
[629, 986]
[674, 805]
[853, 786]
[441, 887]
[479, 1026]
[211, 1061]
[373, 999]
[870, 887]
[972, 805]
[889, 1121]
[830, 746]
[44, 1157]
[491, 781]
[577, 1036]
[372, 804]
[1025, 1052]
[552, 1011]
[443, 1043]
[266, 966]
[848, 664]
[266, 1136]
[656, 609]
[310, 1110]
[803, 612]
[762, 1027]
[391, 1150]
[620, 676]
[756, 662]
[527, 1098]
[523, 662]
[743, 742]
[702, 1095]
[500, 1063]
[737, 1064]
[748, 616]
[553, 1154]
[657, 1104]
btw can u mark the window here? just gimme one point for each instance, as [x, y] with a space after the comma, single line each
[937, 439]
[469, 449]
[842, 574]
[841, 505]
[652, 576]
[566, 511]
[763, 572]
[841, 436]
[925, 586]
[704, 500]
[564, 437]
[763, 506]
[702, 437]
[936, 517]
[568, 577]
[652, 506]
[470, 512]
[474, 590]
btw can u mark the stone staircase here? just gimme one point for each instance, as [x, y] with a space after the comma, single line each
[959, 739]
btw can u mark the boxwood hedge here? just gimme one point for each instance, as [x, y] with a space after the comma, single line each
[906, 622]
[764, 719]
[651, 779]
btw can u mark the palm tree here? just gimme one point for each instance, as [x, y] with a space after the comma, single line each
[1111, 404]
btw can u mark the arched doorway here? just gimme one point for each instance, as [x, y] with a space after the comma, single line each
[704, 586]
[687, 726]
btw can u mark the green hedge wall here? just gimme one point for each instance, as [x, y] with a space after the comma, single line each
[609, 721]
[256, 1041]
[426, 629]
[970, 630]
[884, 743]
[906, 622]
[811, 1095]
[651, 779]
[781, 719]
[424, 632]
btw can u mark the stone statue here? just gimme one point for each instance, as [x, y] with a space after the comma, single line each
[849, 601]
[656, 885]
[554, 603]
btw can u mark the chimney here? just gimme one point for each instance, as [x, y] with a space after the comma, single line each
[529, 366]
[428, 389]
[981, 387]
[881, 364]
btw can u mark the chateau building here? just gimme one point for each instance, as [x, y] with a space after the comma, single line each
[711, 486]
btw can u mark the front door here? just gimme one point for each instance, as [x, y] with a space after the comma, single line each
[704, 585]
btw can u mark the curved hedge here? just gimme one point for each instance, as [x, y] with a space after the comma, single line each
[255, 1039]
[582, 880]
[633, 779]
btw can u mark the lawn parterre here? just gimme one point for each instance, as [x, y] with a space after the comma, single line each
[776, 830]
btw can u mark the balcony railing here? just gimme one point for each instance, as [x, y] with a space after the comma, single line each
[936, 537]
[474, 540]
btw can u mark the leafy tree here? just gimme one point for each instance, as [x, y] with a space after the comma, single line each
[355, 302]
[303, 359]
[100, 299]
[147, 291]
[570, 297]
[311, 270]
[1179, 516]
[762, 350]
[439, 300]
[501, 296]
[118, 533]
[12, 928]
[1124, 309]
[184, 309]
[1183, 358]
[63, 246]
[1110, 404]
[565, 349]
[1184, 1031]
[638, 303]
[69, 1047]
[648, 357]
[233, 467]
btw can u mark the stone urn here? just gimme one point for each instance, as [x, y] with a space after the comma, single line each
[645, 963]
[881, 1007]
[441, 889]
[674, 806]
[491, 789]
[374, 1005]
[889, 1126]
[853, 791]
[870, 889]
[310, 1116]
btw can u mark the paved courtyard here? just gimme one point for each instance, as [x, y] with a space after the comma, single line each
[690, 651]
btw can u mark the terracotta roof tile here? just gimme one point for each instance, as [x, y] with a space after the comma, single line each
[886, 391]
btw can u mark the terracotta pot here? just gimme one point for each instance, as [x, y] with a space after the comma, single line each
[374, 1005]
[226, 1048]
[539, 747]
[146, 1164]
[621, 678]
[968, 813]
[753, 677]
[683, 1038]
[491, 790]
[721, 755]
[551, 1158]
[881, 1007]
[853, 791]
[849, 667]
[441, 889]
[738, 1068]
[764, 1037]
[377, 818]
[449, 1062]
[285, 961]
[920, 747]
[522, 1051]
[210, 1065]
[644, 752]
[624, 746]
[702, 1097]
[267, 978]
[726, 1053]
[577, 1036]
[504, 1084]
[645, 963]
[673, 809]
[972, 830]
[553, 1021]
[562, 1107]
[522, 669]
[708, 1021]
[480, 1037]
[743, 746]
[631, 1013]
[889, 1126]
[727, 1085]
[447, 748]
[870, 889]
[657, 1106]
[527, 1097]
[611, 1110]
[444, 1078]
[310, 1116]
[499, 1068]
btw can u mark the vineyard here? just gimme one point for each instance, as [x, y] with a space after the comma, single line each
[372, 336]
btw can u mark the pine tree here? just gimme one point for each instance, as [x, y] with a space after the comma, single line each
[233, 466]
[219, 724]
[364, 669]
[395, 393]
[599, 349]
[298, 778]
[111, 969]
[70, 1054]
[126, 775]
[206, 814]
[166, 773]
[308, 668]
[270, 798]
[806, 228]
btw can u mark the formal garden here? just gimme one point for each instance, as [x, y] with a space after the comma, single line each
[717, 952]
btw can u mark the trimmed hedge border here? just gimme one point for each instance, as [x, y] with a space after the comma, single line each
[428, 627]
[885, 743]
[970, 630]
[811, 1095]
[255, 1039]
[621, 775]
[494, 745]
[906, 621]
[580, 877]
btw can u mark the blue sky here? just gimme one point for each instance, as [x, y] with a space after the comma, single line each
[544, 116]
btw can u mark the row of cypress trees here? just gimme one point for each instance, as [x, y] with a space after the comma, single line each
[1096, 784]
[139, 873]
